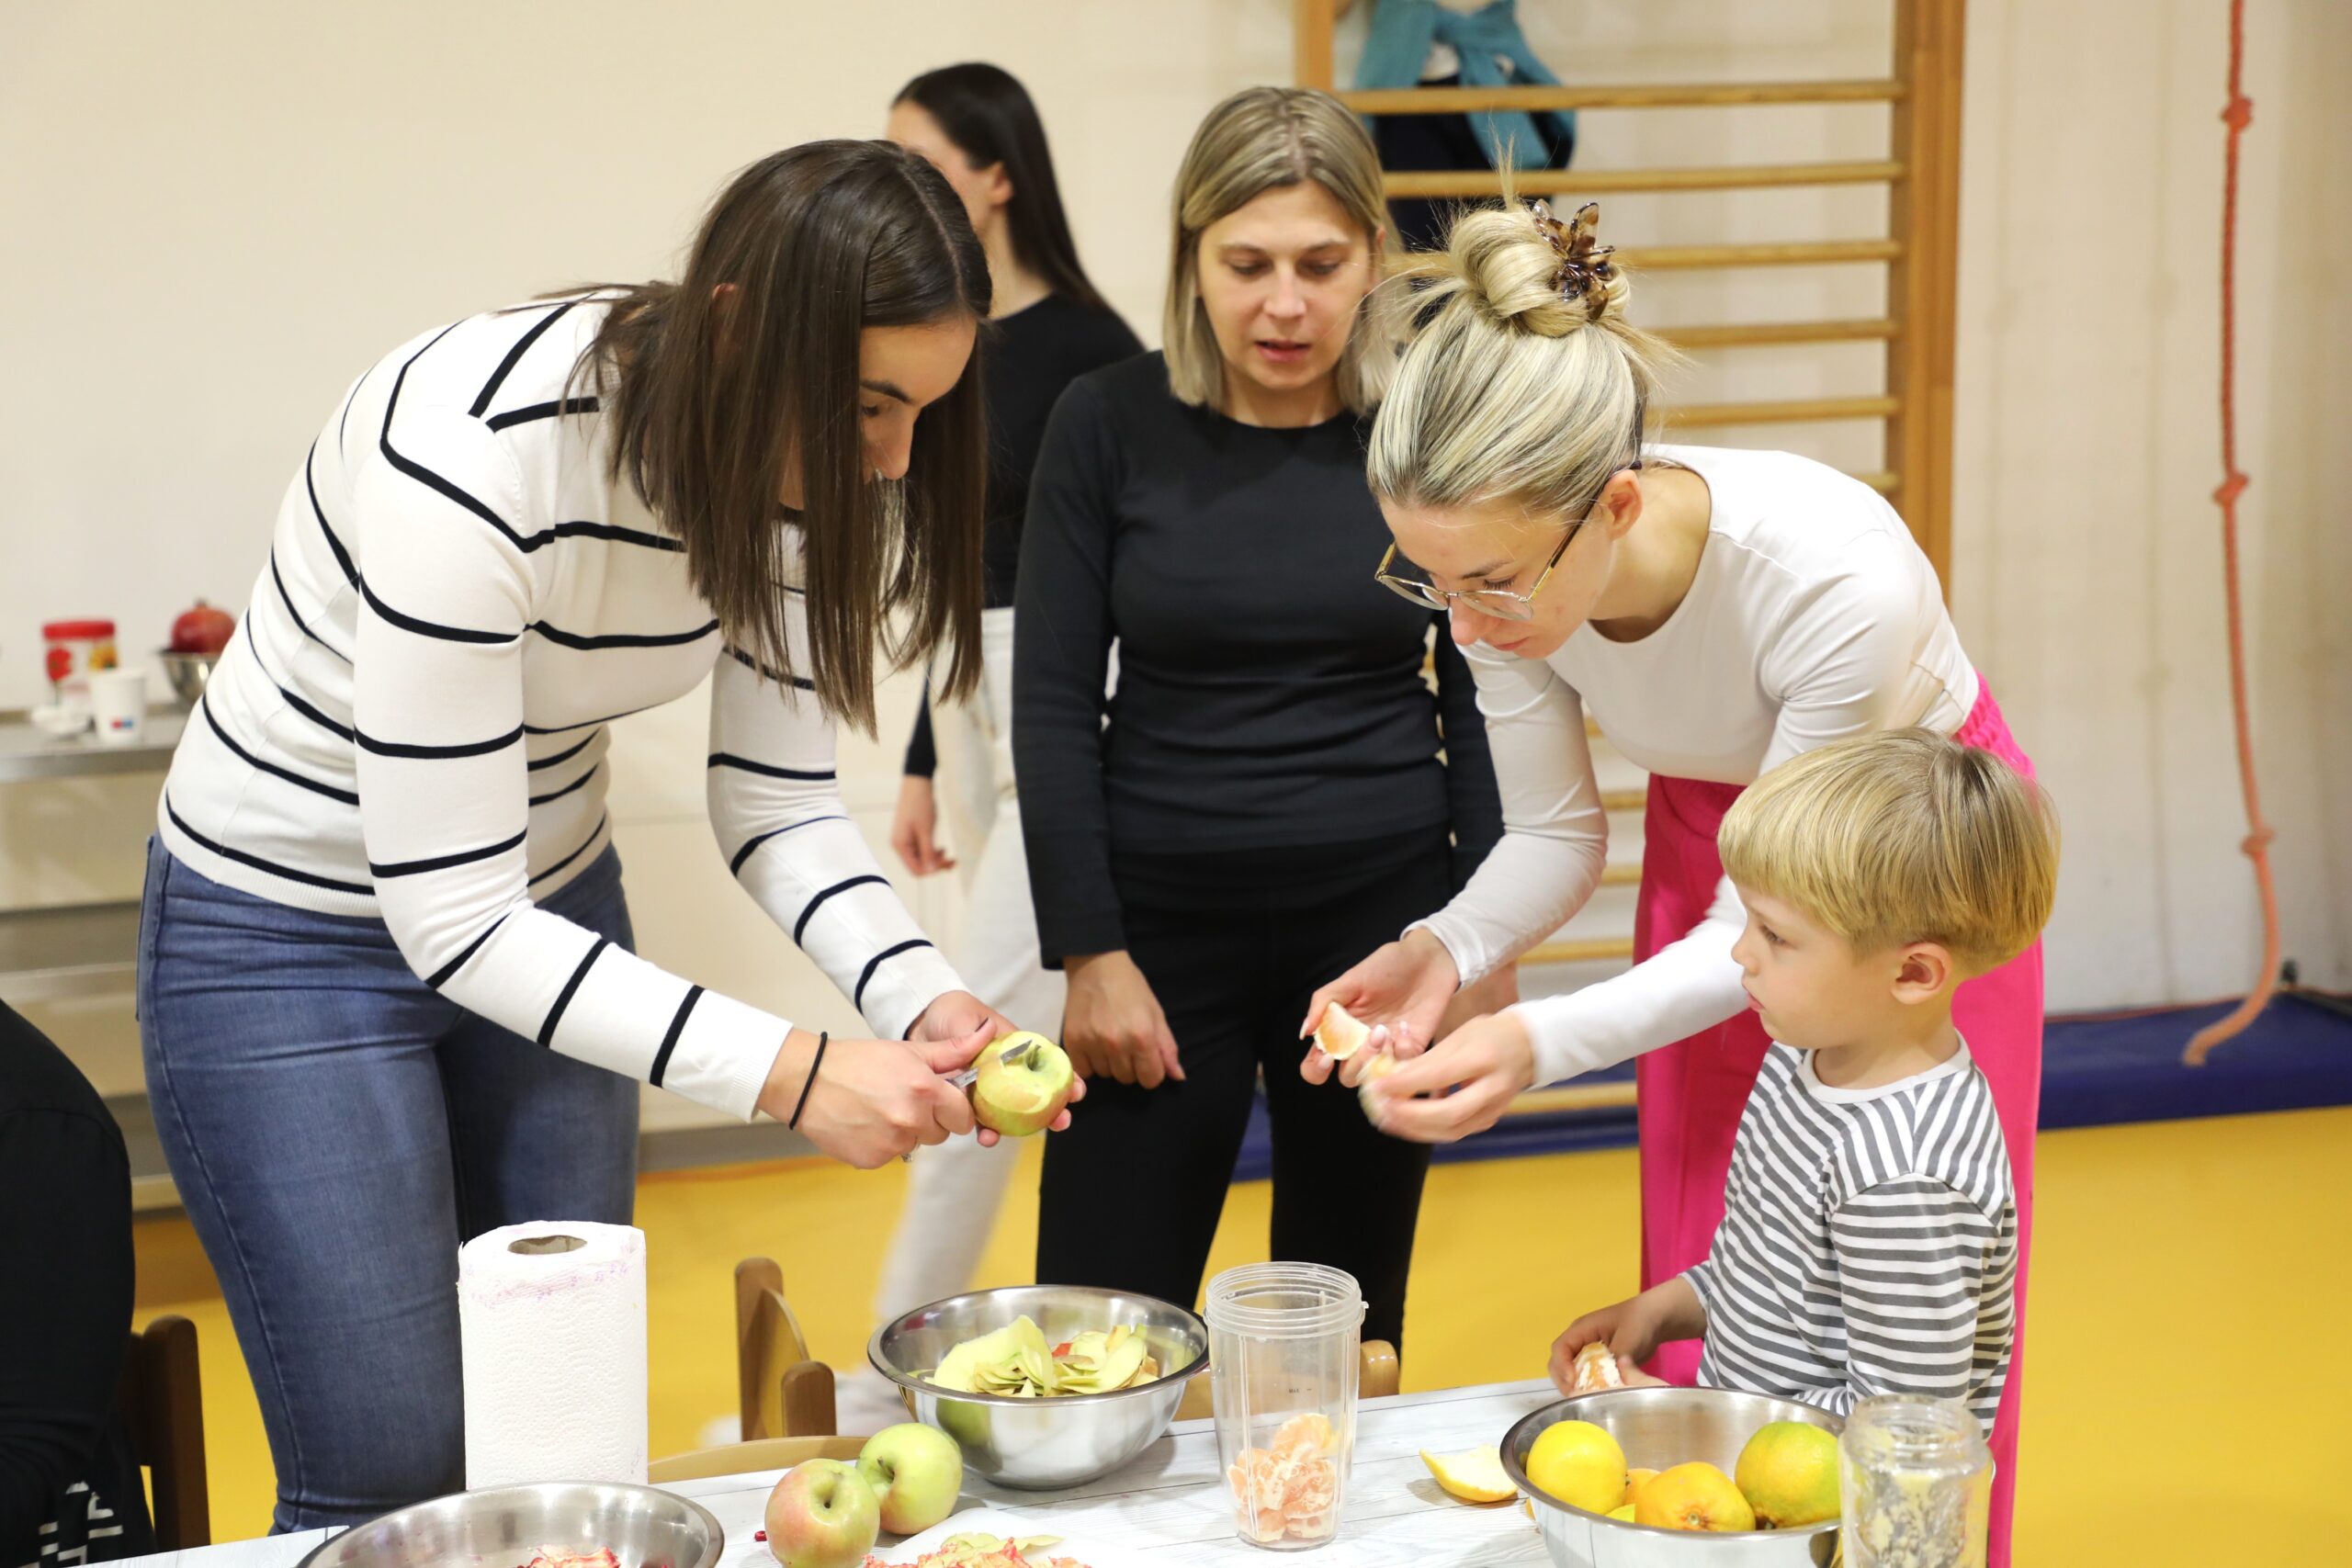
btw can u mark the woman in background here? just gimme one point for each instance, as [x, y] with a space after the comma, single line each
[1048, 325]
[1277, 781]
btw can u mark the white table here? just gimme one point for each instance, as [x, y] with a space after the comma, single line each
[1171, 1507]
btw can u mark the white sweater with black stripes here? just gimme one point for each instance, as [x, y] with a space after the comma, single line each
[411, 720]
[1869, 1243]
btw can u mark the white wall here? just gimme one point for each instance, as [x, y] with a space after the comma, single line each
[212, 217]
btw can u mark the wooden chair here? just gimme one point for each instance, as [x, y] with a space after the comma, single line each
[1378, 1374]
[782, 1390]
[161, 1396]
[734, 1459]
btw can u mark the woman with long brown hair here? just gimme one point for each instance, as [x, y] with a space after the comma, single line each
[386, 986]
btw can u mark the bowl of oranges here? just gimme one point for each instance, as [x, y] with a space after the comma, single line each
[1675, 1477]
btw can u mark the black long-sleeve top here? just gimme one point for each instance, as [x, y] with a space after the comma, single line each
[1269, 693]
[70, 1490]
[1032, 355]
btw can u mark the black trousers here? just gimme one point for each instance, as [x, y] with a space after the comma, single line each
[1233, 946]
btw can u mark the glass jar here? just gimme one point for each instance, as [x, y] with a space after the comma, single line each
[1916, 1485]
[73, 651]
[1283, 1343]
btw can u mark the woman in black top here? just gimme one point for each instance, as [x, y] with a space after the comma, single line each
[1270, 779]
[976, 123]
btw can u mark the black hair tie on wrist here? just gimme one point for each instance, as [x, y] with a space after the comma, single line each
[814, 1062]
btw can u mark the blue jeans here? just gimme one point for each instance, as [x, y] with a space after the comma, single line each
[337, 1129]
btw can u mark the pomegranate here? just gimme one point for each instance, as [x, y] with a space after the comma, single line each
[202, 630]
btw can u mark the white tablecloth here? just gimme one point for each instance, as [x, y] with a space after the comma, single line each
[1170, 1506]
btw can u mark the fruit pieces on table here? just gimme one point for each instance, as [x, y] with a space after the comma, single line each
[1474, 1475]
[1016, 1361]
[1788, 1473]
[977, 1550]
[1290, 1491]
[916, 1471]
[1018, 1097]
[822, 1514]
[1693, 1497]
[1596, 1368]
[1581, 1464]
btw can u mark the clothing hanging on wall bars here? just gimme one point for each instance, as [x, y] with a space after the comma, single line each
[1423, 43]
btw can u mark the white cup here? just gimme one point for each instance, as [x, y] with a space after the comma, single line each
[119, 704]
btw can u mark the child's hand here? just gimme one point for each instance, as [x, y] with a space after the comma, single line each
[1594, 1328]
[1636, 1377]
[1633, 1329]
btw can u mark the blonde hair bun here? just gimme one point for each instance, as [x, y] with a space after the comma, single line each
[1520, 267]
[1523, 382]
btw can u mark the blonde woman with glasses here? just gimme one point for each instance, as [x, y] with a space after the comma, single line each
[1276, 787]
[1718, 612]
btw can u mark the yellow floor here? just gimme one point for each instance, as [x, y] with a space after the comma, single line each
[2190, 1372]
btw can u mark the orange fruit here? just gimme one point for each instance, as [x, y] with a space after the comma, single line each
[1693, 1497]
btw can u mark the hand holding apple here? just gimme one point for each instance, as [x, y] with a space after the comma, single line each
[822, 1514]
[916, 1473]
[1018, 1097]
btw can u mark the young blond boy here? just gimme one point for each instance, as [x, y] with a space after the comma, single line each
[1869, 1243]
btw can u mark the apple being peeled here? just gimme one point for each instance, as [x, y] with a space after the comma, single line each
[916, 1473]
[202, 630]
[1017, 1099]
[822, 1514]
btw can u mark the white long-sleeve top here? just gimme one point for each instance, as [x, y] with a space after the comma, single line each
[1813, 616]
[412, 721]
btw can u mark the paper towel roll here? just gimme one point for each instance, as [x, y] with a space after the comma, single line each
[551, 1316]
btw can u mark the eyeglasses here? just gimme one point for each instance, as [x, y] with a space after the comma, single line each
[1498, 603]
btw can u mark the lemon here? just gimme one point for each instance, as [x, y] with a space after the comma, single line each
[1474, 1475]
[1623, 1511]
[1788, 1473]
[1581, 1464]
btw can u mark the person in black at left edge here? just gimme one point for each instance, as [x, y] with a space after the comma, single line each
[70, 1491]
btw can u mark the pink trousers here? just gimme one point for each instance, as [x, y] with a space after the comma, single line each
[1692, 1091]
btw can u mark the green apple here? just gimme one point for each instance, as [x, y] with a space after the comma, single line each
[822, 1514]
[1021, 1097]
[916, 1473]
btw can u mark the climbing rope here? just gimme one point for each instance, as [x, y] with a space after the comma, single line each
[2237, 115]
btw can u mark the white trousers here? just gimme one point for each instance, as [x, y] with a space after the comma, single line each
[954, 1189]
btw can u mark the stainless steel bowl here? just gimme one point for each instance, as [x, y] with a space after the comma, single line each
[1044, 1442]
[504, 1527]
[188, 671]
[1659, 1429]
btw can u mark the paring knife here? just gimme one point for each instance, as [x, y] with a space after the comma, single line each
[1014, 1057]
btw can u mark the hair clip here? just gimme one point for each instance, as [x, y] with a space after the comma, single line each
[1584, 263]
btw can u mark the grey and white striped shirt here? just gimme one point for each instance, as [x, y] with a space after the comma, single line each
[1869, 1243]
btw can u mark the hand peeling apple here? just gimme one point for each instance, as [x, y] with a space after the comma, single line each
[1020, 1084]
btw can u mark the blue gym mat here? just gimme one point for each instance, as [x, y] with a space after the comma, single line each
[2097, 1071]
